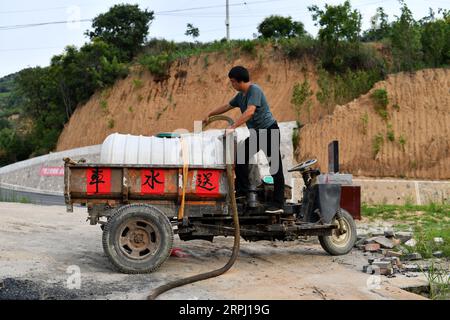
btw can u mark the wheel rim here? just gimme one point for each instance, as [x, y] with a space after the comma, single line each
[341, 240]
[138, 239]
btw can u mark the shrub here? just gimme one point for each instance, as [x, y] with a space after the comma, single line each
[380, 100]
[377, 144]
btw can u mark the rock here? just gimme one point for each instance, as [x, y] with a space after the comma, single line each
[403, 236]
[396, 262]
[376, 232]
[360, 242]
[411, 268]
[382, 264]
[438, 254]
[391, 253]
[369, 240]
[367, 269]
[372, 247]
[411, 243]
[413, 256]
[438, 240]
[384, 242]
[389, 233]
[362, 233]
[371, 260]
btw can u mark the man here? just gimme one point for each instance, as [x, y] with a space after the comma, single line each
[264, 132]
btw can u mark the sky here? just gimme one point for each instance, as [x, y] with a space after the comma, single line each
[34, 46]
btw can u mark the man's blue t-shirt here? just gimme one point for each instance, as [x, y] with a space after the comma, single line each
[262, 118]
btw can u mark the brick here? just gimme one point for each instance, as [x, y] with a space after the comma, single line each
[386, 271]
[372, 247]
[384, 242]
[391, 253]
[382, 264]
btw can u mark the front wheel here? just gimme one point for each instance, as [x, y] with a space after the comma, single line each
[338, 244]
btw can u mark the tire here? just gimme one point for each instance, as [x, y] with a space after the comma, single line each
[338, 245]
[138, 238]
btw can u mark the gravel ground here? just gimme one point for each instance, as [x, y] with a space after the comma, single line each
[40, 246]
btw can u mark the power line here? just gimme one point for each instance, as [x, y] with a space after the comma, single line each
[13, 27]
[21, 26]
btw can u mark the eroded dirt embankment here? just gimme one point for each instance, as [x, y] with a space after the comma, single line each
[140, 105]
[422, 118]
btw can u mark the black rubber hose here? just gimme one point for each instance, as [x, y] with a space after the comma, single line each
[203, 276]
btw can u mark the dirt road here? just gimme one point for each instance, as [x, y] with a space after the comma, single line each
[41, 246]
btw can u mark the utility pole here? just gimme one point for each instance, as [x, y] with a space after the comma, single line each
[227, 20]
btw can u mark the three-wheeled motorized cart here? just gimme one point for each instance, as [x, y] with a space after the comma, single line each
[141, 207]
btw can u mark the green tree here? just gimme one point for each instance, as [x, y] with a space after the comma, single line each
[435, 39]
[192, 31]
[337, 23]
[278, 27]
[79, 73]
[339, 32]
[406, 41]
[123, 26]
[380, 27]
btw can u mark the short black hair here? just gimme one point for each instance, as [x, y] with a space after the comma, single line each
[239, 73]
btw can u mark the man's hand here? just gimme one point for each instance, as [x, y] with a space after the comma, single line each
[205, 120]
[229, 130]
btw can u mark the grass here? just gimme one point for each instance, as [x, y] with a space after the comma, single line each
[365, 123]
[426, 221]
[381, 101]
[14, 198]
[111, 123]
[390, 133]
[376, 144]
[104, 105]
[137, 84]
[439, 281]
[402, 141]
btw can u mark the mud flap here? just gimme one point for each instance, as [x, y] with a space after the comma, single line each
[322, 201]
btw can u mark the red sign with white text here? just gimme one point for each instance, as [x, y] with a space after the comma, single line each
[51, 171]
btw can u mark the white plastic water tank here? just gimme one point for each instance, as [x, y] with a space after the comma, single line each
[204, 149]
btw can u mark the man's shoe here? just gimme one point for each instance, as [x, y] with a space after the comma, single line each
[274, 210]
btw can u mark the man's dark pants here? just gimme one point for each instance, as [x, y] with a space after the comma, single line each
[242, 169]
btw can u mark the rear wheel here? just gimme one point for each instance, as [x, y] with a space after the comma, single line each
[138, 238]
[339, 244]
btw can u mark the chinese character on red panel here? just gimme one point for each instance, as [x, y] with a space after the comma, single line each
[98, 181]
[152, 181]
[207, 182]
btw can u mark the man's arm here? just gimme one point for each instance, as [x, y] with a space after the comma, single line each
[218, 110]
[247, 115]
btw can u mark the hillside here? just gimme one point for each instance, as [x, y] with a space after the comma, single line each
[418, 111]
[140, 105]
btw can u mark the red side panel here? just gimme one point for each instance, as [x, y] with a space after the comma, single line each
[98, 181]
[152, 181]
[207, 182]
[351, 200]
